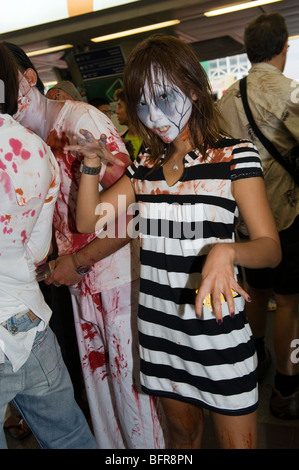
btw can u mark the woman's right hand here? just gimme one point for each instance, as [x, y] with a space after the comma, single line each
[218, 281]
[94, 151]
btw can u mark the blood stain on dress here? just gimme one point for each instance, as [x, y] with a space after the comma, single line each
[88, 331]
[16, 146]
[8, 156]
[24, 236]
[25, 154]
[96, 359]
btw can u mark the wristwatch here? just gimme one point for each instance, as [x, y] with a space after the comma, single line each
[80, 269]
[90, 170]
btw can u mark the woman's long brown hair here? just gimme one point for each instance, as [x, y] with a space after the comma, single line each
[177, 63]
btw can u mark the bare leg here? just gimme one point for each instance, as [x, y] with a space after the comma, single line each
[236, 432]
[285, 330]
[185, 423]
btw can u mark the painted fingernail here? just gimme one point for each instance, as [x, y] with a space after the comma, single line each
[248, 299]
[232, 315]
[219, 321]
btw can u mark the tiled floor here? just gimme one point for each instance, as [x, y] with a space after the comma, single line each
[273, 433]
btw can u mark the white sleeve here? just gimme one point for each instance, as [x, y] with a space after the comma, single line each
[41, 235]
[40, 240]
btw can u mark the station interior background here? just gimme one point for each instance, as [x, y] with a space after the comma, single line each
[96, 69]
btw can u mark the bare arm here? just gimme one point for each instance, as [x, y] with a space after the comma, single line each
[91, 204]
[262, 250]
[94, 153]
[94, 209]
[107, 243]
[98, 249]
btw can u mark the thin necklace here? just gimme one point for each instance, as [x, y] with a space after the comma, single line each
[175, 166]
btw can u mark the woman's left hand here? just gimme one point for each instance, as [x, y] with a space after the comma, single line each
[218, 278]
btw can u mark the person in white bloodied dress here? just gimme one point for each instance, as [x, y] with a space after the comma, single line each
[102, 272]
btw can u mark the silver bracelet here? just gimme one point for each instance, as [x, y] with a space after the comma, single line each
[89, 170]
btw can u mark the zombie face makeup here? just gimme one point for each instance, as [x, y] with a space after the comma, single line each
[167, 112]
[23, 98]
[32, 105]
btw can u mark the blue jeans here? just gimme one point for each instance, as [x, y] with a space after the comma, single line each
[43, 393]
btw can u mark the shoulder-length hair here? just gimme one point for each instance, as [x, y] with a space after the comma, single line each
[177, 63]
[9, 80]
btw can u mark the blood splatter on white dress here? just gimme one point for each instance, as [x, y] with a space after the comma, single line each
[104, 303]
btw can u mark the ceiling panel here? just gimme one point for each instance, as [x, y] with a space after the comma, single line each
[222, 33]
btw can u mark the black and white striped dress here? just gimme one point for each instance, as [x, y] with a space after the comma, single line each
[183, 357]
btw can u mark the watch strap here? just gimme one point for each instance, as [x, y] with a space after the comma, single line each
[79, 268]
[89, 170]
[75, 260]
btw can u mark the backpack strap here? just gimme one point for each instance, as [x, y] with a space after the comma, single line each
[266, 143]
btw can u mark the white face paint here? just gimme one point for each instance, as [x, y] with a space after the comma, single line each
[23, 97]
[167, 112]
[31, 107]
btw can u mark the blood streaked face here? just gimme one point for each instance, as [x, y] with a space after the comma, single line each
[23, 98]
[31, 111]
[167, 112]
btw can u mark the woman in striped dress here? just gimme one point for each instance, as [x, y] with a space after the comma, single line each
[196, 345]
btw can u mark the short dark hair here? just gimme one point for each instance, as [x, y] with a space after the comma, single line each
[24, 63]
[97, 101]
[10, 80]
[265, 37]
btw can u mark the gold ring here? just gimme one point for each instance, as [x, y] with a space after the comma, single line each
[56, 284]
